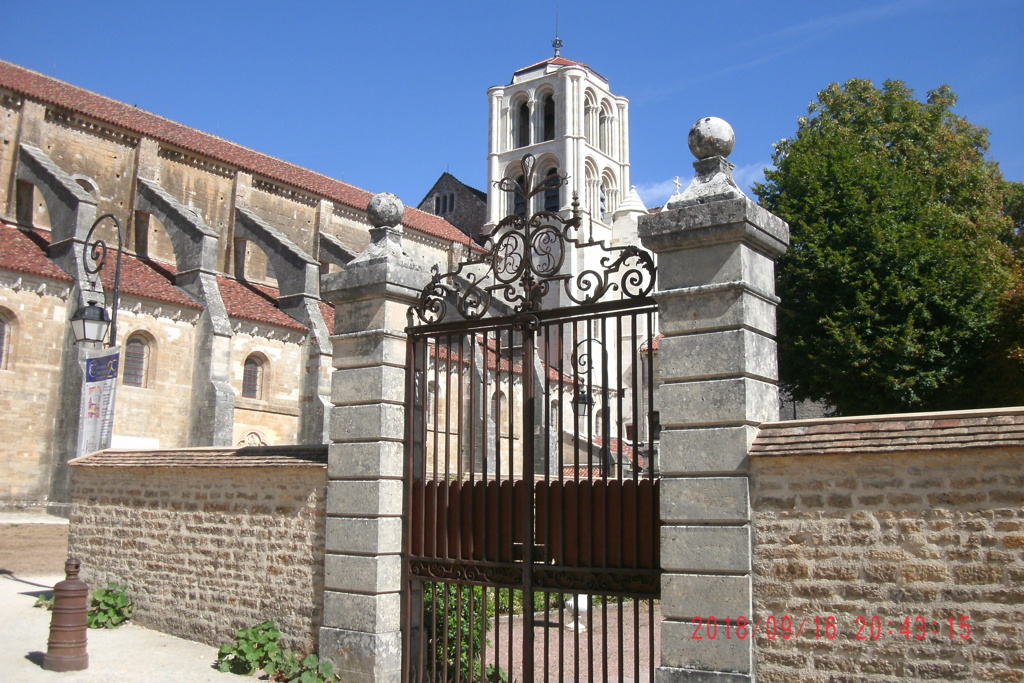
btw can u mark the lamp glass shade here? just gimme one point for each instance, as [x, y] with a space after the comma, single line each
[582, 403]
[90, 323]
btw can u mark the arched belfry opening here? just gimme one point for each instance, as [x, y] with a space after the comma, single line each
[565, 114]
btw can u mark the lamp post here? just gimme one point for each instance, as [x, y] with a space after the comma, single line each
[100, 367]
[583, 402]
[90, 322]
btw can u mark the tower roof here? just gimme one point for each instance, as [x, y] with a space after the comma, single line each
[552, 64]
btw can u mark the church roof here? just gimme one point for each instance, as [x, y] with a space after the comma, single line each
[38, 86]
[633, 202]
[25, 251]
[556, 61]
[553, 61]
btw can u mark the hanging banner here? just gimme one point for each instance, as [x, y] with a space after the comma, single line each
[96, 416]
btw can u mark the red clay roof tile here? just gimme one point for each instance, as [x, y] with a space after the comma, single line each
[26, 253]
[53, 91]
[255, 302]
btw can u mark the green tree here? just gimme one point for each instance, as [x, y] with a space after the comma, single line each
[900, 261]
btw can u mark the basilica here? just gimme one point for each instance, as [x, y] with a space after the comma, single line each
[225, 338]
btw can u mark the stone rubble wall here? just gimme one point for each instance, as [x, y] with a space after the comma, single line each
[938, 535]
[207, 551]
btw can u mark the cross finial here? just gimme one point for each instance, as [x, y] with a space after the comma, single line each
[677, 184]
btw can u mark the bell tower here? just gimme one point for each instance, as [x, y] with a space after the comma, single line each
[564, 114]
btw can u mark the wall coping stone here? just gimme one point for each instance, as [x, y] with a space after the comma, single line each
[894, 433]
[250, 456]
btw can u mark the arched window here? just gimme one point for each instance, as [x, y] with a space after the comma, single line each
[499, 412]
[136, 362]
[523, 130]
[590, 117]
[549, 118]
[5, 341]
[605, 131]
[551, 199]
[431, 401]
[518, 201]
[252, 378]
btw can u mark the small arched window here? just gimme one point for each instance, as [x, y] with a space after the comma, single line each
[605, 132]
[431, 401]
[5, 341]
[549, 117]
[523, 131]
[518, 200]
[499, 412]
[252, 378]
[136, 362]
[551, 199]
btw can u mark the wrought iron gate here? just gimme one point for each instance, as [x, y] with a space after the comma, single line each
[531, 497]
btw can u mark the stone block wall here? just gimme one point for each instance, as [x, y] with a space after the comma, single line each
[34, 310]
[888, 525]
[208, 541]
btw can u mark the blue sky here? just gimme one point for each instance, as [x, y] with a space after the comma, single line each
[389, 95]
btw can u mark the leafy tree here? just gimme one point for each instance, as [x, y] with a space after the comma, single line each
[901, 257]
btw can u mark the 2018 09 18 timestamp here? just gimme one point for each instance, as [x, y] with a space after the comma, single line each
[829, 627]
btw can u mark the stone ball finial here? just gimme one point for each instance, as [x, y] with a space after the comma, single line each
[385, 210]
[711, 137]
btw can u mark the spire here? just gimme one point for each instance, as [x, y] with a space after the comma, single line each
[557, 42]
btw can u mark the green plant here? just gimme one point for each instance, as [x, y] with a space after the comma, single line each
[44, 600]
[455, 621]
[257, 648]
[254, 648]
[110, 607]
[308, 669]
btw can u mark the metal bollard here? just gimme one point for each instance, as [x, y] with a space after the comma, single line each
[65, 650]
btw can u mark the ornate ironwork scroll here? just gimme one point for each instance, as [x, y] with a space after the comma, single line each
[526, 257]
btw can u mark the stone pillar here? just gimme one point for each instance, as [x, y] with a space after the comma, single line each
[718, 371]
[361, 630]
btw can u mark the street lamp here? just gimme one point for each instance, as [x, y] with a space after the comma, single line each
[582, 402]
[90, 323]
[582, 361]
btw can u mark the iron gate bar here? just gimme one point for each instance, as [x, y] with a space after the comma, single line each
[457, 534]
[492, 514]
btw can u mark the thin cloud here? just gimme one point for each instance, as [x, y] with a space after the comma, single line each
[794, 38]
[657, 193]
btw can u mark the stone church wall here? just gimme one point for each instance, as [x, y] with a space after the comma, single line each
[158, 412]
[883, 542]
[29, 381]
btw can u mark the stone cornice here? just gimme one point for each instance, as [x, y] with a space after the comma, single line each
[11, 100]
[22, 282]
[159, 309]
[269, 332]
[74, 121]
[719, 222]
[270, 187]
[196, 161]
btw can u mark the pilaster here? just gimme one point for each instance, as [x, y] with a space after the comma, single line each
[718, 380]
[361, 630]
